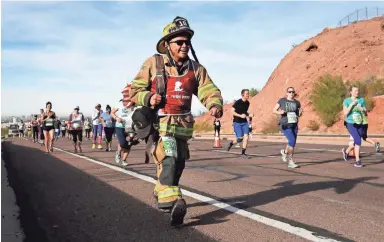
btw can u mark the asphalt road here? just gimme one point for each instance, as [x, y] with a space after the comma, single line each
[87, 197]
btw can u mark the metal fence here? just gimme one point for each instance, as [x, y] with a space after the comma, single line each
[361, 14]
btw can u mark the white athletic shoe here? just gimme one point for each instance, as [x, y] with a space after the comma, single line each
[283, 155]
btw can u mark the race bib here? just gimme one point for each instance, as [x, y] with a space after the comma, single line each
[63, 128]
[49, 122]
[357, 119]
[217, 123]
[292, 117]
[56, 130]
[76, 125]
[170, 147]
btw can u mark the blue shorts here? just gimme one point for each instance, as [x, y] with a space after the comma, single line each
[241, 129]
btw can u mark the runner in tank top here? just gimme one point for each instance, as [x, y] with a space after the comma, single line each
[35, 130]
[76, 121]
[49, 117]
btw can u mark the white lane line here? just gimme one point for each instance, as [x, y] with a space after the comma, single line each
[301, 232]
[274, 156]
[237, 153]
[338, 151]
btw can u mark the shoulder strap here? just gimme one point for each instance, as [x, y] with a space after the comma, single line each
[197, 81]
[160, 75]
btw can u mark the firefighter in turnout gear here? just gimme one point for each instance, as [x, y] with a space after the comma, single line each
[165, 84]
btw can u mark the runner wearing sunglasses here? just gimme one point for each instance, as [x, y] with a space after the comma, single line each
[171, 105]
[290, 110]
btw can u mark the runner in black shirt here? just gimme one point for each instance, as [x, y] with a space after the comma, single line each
[240, 122]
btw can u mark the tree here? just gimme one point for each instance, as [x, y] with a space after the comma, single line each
[253, 92]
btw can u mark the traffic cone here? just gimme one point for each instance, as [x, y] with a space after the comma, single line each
[216, 143]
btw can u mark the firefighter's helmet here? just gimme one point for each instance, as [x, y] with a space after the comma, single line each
[179, 26]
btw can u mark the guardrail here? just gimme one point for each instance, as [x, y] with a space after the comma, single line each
[361, 14]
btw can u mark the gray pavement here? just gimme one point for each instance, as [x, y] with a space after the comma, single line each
[81, 198]
[11, 230]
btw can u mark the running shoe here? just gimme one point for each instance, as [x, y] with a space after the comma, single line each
[358, 164]
[377, 147]
[117, 157]
[283, 155]
[345, 155]
[292, 164]
[237, 145]
[229, 146]
[93, 146]
[100, 147]
[124, 163]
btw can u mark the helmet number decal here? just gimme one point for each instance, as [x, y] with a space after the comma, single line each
[181, 23]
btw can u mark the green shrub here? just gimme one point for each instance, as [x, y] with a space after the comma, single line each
[253, 92]
[327, 96]
[4, 132]
[313, 125]
[272, 126]
[203, 126]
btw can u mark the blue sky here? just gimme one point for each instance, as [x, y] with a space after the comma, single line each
[81, 53]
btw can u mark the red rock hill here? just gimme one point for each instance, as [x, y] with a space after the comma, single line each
[355, 52]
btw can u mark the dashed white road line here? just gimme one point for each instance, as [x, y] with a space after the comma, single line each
[237, 153]
[339, 151]
[298, 231]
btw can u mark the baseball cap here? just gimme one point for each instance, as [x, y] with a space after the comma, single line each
[142, 119]
[77, 107]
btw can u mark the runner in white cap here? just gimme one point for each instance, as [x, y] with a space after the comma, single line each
[76, 121]
[97, 127]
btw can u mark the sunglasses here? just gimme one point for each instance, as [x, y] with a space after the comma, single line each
[181, 42]
[291, 92]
